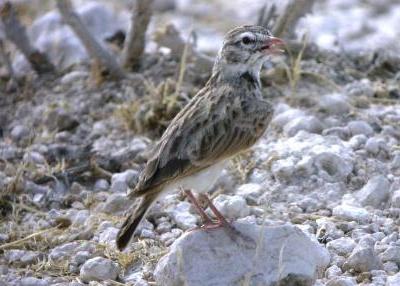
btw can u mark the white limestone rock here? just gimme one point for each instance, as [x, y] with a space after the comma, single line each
[285, 256]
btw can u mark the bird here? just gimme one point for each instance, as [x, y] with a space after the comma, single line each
[226, 117]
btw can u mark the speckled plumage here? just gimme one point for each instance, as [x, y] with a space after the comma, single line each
[225, 118]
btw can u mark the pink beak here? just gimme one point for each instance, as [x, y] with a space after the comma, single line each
[274, 45]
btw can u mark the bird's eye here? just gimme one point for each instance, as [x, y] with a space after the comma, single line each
[246, 40]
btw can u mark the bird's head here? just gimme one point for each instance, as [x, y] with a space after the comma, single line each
[246, 48]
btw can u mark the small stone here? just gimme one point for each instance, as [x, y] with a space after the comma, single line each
[332, 167]
[307, 123]
[22, 257]
[32, 281]
[373, 145]
[392, 253]
[363, 259]
[333, 271]
[375, 193]
[81, 257]
[108, 236]
[342, 246]
[73, 76]
[342, 281]
[69, 249]
[121, 181]
[359, 127]
[390, 267]
[250, 192]
[101, 185]
[281, 119]
[357, 141]
[283, 169]
[99, 269]
[350, 213]
[232, 206]
[182, 216]
[164, 227]
[395, 202]
[116, 203]
[334, 104]
[395, 164]
[393, 280]
[20, 132]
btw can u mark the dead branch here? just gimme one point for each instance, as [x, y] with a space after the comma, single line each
[13, 83]
[170, 38]
[135, 43]
[16, 33]
[287, 21]
[267, 15]
[104, 64]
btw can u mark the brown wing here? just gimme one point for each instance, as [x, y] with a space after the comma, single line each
[202, 135]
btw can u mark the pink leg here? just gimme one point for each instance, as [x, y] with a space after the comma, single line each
[193, 200]
[221, 219]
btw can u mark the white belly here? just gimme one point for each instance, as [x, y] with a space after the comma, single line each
[200, 182]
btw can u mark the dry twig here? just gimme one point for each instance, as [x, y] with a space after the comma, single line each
[286, 23]
[104, 64]
[135, 42]
[7, 62]
[16, 33]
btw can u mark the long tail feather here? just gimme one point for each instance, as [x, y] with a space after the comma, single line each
[132, 221]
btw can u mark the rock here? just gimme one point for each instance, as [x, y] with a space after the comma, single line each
[22, 257]
[342, 281]
[286, 256]
[116, 204]
[108, 236]
[395, 202]
[333, 271]
[375, 193]
[101, 185]
[359, 127]
[395, 164]
[342, 246]
[360, 88]
[307, 123]
[183, 217]
[232, 206]
[32, 281]
[169, 237]
[283, 169]
[250, 192]
[375, 145]
[390, 267]
[60, 120]
[20, 133]
[363, 259]
[392, 253]
[121, 181]
[327, 230]
[282, 119]
[334, 104]
[69, 249]
[99, 269]
[393, 280]
[332, 167]
[348, 212]
[73, 77]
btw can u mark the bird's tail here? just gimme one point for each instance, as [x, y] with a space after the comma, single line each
[132, 221]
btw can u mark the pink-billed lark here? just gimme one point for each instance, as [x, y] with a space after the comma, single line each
[225, 117]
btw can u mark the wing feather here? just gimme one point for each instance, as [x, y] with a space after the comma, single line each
[202, 134]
